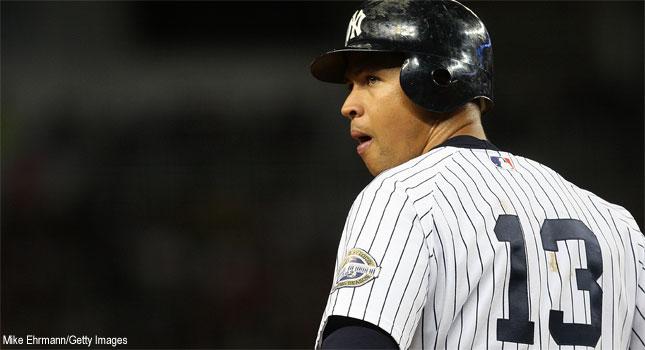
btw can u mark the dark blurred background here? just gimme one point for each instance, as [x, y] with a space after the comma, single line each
[172, 174]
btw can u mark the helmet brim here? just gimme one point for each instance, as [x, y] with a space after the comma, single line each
[330, 67]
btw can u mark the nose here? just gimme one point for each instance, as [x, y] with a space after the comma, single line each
[352, 108]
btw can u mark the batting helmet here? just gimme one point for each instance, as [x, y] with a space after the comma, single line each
[448, 53]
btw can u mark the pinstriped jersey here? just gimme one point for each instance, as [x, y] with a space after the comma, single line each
[474, 248]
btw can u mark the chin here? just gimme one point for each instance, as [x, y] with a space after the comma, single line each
[376, 169]
[372, 169]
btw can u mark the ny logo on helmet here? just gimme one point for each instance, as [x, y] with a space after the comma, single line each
[354, 27]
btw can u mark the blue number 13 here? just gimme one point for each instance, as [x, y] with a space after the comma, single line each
[518, 328]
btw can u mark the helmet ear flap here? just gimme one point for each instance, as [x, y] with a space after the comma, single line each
[441, 77]
[427, 84]
[440, 84]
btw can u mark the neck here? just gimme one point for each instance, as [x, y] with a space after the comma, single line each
[463, 121]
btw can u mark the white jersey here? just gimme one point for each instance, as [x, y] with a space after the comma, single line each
[465, 248]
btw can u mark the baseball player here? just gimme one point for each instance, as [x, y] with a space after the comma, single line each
[457, 244]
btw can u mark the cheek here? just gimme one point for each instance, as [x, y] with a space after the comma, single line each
[405, 131]
[398, 124]
[414, 123]
[392, 118]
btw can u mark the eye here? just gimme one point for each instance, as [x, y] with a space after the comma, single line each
[371, 80]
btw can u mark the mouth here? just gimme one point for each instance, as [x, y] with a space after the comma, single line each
[364, 141]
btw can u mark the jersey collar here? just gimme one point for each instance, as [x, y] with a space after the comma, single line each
[467, 141]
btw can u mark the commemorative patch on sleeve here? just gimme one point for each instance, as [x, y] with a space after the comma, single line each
[357, 268]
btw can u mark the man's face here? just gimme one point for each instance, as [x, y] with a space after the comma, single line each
[390, 128]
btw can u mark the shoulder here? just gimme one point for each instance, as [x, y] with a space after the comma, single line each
[621, 215]
[408, 190]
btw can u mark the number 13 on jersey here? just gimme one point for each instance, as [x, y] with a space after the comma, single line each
[518, 328]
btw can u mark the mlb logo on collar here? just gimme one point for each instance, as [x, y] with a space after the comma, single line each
[503, 162]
